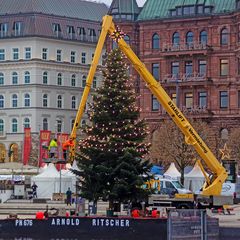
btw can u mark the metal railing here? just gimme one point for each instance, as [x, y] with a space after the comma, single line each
[171, 47]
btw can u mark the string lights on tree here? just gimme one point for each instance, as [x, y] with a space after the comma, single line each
[115, 145]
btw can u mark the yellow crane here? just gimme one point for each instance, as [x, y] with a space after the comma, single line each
[213, 185]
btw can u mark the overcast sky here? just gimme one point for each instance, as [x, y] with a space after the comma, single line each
[108, 2]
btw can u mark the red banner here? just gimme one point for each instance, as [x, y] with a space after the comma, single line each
[61, 138]
[27, 145]
[45, 136]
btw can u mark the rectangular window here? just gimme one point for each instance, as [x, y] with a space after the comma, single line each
[28, 54]
[155, 104]
[3, 29]
[2, 54]
[202, 99]
[223, 99]
[224, 68]
[15, 53]
[189, 100]
[175, 69]
[59, 55]
[174, 98]
[188, 69]
[202, 67]
[17, 27]
[238, 99]
[73, 57]
[44, 53]
[200, 9]
[155, 70]
[83, 58]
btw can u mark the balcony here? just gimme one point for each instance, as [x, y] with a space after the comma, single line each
[194, 48]
[184, 78]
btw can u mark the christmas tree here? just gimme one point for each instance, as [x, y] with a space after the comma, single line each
[111, 157]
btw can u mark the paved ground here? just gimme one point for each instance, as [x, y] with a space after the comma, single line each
[226, 220]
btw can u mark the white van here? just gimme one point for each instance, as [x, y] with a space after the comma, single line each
[168, 186]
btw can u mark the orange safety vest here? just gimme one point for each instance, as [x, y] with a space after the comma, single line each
[67, 144]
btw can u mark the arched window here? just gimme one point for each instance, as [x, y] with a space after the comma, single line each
[84, 81]
[59, 101]
[45, 78]
[224, 134]
[224, 36]
[127, 39]
[14, 78]
[14, 100]
[45, 100]
[94, 84]
[59, 79]
[45, 124]
[83, 123]
[1, 126]
[189, 38]
[73, 80]
[155, 41]
[27, 77]
[176, 39]
[1, 101]
[26, 123]
[73, 102]
[27, 101]
[14, 125]
[203, 37]
[1, 79]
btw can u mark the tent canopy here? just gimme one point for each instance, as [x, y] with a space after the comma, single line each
[172, 171]
[51, 181]
[195, 179]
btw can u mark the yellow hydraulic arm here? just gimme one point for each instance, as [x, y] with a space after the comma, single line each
[214, 187]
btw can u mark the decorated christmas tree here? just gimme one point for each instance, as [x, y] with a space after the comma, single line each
[111, 157]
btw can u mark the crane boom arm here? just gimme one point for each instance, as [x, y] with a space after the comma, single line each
[191, 136]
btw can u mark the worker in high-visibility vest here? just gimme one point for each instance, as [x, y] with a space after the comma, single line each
[52, 148]
[65, 146]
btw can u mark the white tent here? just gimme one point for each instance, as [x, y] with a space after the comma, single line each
[195, 179]
[172, 172]
[48, 182]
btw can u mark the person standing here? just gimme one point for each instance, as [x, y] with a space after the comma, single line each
[52, 148]
[69, 197]
[34, 190]
[65, 146]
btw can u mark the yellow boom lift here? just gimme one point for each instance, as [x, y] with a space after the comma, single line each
[213, 185]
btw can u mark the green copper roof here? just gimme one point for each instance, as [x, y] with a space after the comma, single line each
[125, 6]
[156, 9]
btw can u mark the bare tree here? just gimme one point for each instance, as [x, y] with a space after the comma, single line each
[168, 145]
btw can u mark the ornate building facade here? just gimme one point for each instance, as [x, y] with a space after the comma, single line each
[192, 48]
[46, 48]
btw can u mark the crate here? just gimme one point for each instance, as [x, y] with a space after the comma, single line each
[59, 196]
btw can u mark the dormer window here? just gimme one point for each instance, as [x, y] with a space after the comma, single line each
[56, 29]
[3, 29]
[238, 4]
[82, 33]
[17, 27]
[71, 32]
[92, 34]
